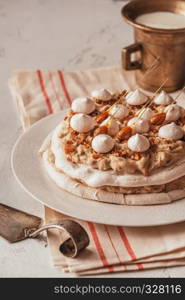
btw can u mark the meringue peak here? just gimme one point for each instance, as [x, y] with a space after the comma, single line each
[146, 113]
[173, 112]
[82, 123]
[163, 98]
[139, 125]
[83, 105]
[171, 131]
[138, 143]
[103, 143]
[119, 111]
[136, 97]
[102, 94]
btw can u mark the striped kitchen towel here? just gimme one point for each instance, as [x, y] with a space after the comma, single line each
[112, 248]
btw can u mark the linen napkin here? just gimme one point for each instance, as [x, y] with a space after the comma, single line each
[112, 248]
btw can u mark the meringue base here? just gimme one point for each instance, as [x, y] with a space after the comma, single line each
[125, 196]
[173, 185]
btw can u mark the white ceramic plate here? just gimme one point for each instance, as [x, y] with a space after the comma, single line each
[29, 171]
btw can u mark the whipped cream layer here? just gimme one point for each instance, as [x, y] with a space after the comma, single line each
[78, 189]
[97, 178]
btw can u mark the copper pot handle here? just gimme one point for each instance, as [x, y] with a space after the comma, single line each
[127, 63]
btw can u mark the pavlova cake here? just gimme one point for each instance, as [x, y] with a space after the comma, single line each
[125, 148]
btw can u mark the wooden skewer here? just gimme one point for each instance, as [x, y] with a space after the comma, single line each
[117, 102]
[160, 87]
[149, 70]
[152, 67]
[148, 103]
[183, 89]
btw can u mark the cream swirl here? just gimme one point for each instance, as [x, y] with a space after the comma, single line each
[138, 143]
[82, 123]
[173, 112]
[102, 94]
[139, 125]
[112, 125]
[102, 143]
[163, 98]
[119, 111]
[171, 131]
[136, 97]
[83, 105]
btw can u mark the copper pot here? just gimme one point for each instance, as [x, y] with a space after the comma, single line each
[159, 53]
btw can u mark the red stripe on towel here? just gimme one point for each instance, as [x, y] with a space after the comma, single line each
[64, 87]
[128, 246]
[98, 246]
[111, 241]
[54, 89]
[46, 97]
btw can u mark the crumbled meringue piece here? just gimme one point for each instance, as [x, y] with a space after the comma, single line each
[136, 97]
[139, 125]
[173, 112]
[83, 105]
[146, 113]
[102, 143]
[119, 111]
[102, 94]
[163, 98]
[171, 131]
[82, 123]
[138, 143]
[112, 125]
